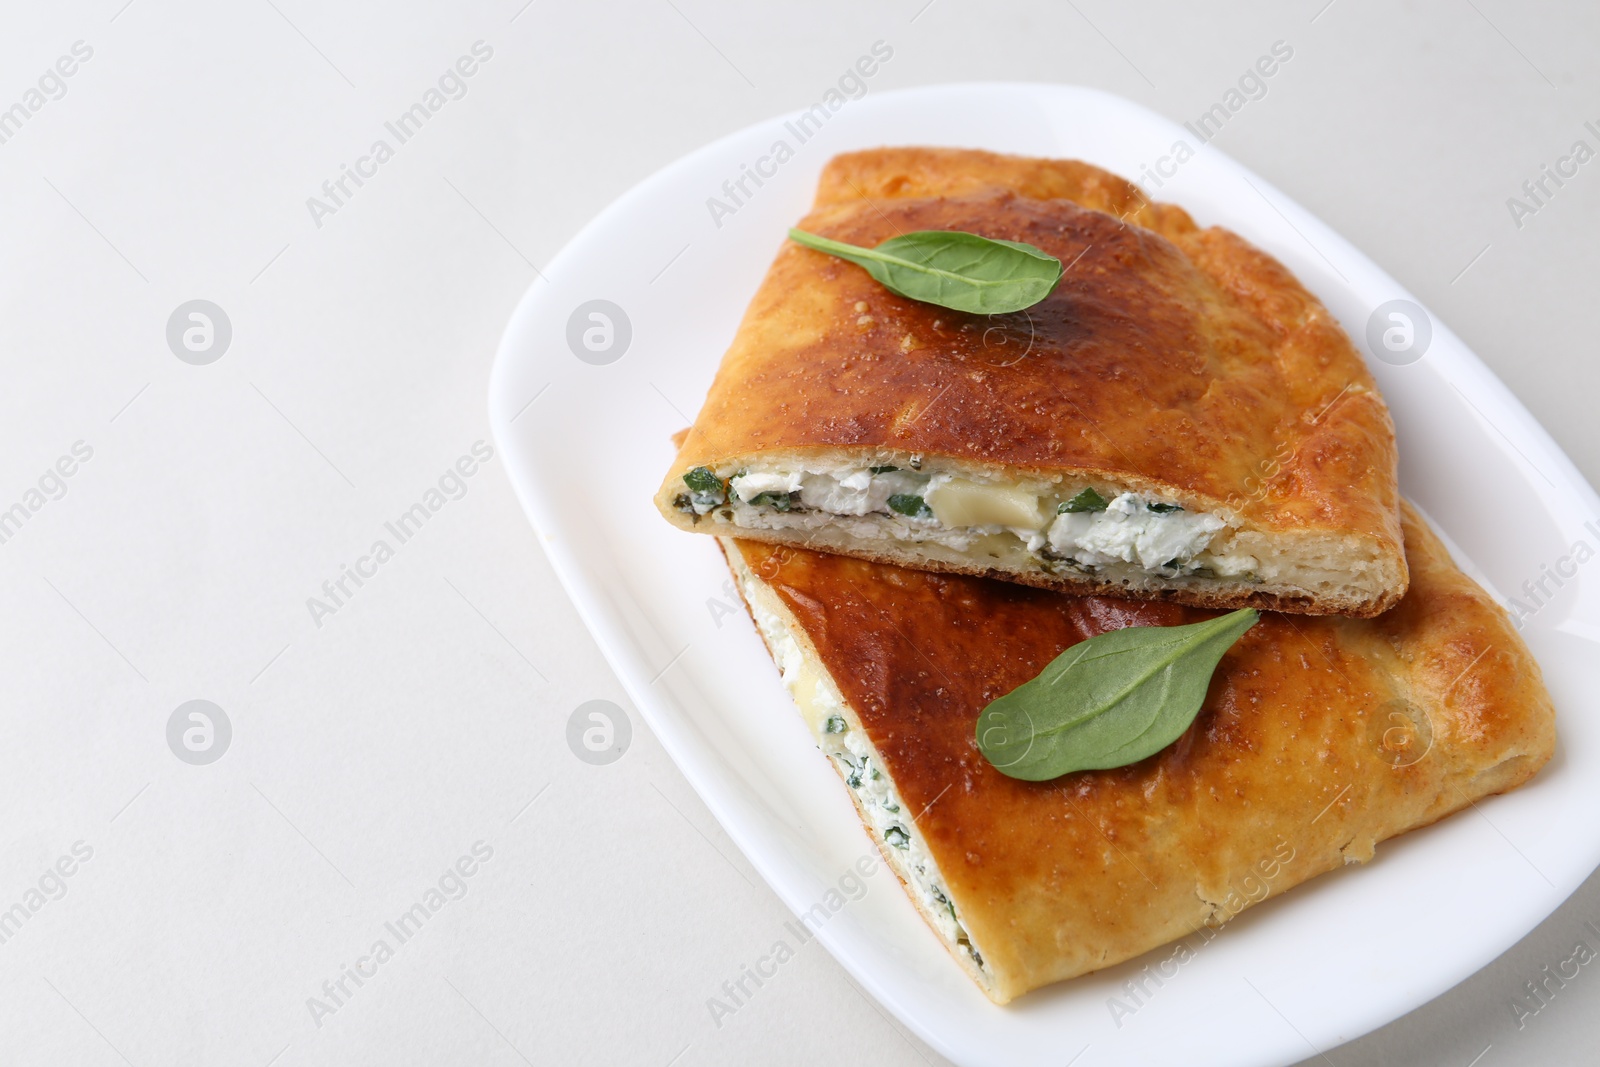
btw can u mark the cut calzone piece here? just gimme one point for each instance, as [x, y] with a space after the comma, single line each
[1318, 738]
[1179, 420]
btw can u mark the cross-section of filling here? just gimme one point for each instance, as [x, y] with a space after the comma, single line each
[1064, 529]
[886, 815]
[880, 803]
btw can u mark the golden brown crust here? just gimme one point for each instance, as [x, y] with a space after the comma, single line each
[1172, 358]
[1319, 737]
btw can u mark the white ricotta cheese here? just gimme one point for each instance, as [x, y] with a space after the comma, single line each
[837, 491]
[1127, 530]
[751, 485]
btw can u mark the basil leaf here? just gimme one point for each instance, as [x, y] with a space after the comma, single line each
[1109, 701]
[910, 504]
[1088, 500]
[951, 268]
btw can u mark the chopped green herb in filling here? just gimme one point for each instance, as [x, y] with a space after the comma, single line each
[883, 470]
[835, 725]
[911, 505]
[780, 501]
[853, 779]
[703, 480]
[897, 837]
[1162, 509]
[1088, 500]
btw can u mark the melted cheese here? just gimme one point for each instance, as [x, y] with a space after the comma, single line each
[959, 502]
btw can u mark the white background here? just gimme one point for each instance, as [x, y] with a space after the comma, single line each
[372, 751]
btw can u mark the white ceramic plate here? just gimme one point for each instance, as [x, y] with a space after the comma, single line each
[586, 441]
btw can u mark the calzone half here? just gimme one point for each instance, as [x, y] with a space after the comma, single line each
[1179, 420]
[1318, 738]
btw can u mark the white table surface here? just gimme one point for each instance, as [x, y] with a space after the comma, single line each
[372, 746]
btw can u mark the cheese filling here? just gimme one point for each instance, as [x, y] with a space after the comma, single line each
[1077, 531]
[890, 821]
[881, 806]
[1131, 529]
